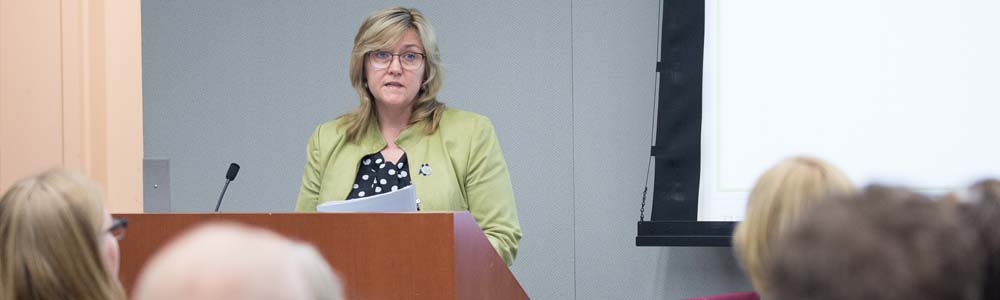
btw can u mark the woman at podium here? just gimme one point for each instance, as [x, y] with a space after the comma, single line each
[401, 135]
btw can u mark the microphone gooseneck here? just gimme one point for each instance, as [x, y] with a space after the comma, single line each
[230, 176]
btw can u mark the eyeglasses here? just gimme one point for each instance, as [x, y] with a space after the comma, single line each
[118, 228]
[382, 59]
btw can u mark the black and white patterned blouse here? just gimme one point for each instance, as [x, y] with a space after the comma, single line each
[376, 176]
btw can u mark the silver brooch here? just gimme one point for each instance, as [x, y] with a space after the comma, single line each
[425, 169]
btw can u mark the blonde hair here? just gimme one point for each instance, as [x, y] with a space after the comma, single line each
[776, 201]
[378, 31]
[50, 231]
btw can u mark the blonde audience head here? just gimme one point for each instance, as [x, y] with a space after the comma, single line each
[231, 261]
[55, 241]
[777, 200]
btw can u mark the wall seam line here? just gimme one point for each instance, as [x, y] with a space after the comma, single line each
[62, 84]
[572, 116]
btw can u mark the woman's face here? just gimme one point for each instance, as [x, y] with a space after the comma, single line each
[396, 85]
[109, 247]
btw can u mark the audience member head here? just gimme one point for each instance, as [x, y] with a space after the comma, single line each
[230, 261]
[985, 191]
[884, 243]
[776, 201]
[982, 208]
[55, 241]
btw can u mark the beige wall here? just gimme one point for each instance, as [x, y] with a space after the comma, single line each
[71, 93]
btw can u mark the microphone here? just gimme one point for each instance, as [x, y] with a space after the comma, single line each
[230, 176]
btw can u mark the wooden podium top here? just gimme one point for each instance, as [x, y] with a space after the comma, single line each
[424, 255]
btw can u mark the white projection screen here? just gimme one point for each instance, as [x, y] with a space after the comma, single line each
[891, 91]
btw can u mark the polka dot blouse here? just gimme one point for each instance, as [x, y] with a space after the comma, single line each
[376, 176]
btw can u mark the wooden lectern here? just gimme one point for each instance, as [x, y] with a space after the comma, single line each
[427, 255]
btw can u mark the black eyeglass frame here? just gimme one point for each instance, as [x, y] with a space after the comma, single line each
[392, 56]
[118, 226]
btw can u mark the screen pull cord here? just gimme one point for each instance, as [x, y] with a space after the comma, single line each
[645, 188]
[652, 126]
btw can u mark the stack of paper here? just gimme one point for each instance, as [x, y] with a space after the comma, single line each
[401, 200]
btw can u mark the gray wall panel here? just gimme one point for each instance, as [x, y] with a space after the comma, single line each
[683, 272]
[614, 57]
[236, 81]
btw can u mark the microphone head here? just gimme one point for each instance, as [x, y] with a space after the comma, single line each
[233, 169]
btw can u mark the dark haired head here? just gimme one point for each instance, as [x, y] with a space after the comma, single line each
[884, 243]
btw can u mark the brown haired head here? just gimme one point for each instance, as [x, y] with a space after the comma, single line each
[982, 209]
[885, 243]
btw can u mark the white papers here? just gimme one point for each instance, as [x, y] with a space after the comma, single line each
[401, 200]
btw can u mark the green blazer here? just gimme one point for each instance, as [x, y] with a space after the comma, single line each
[467, 171]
